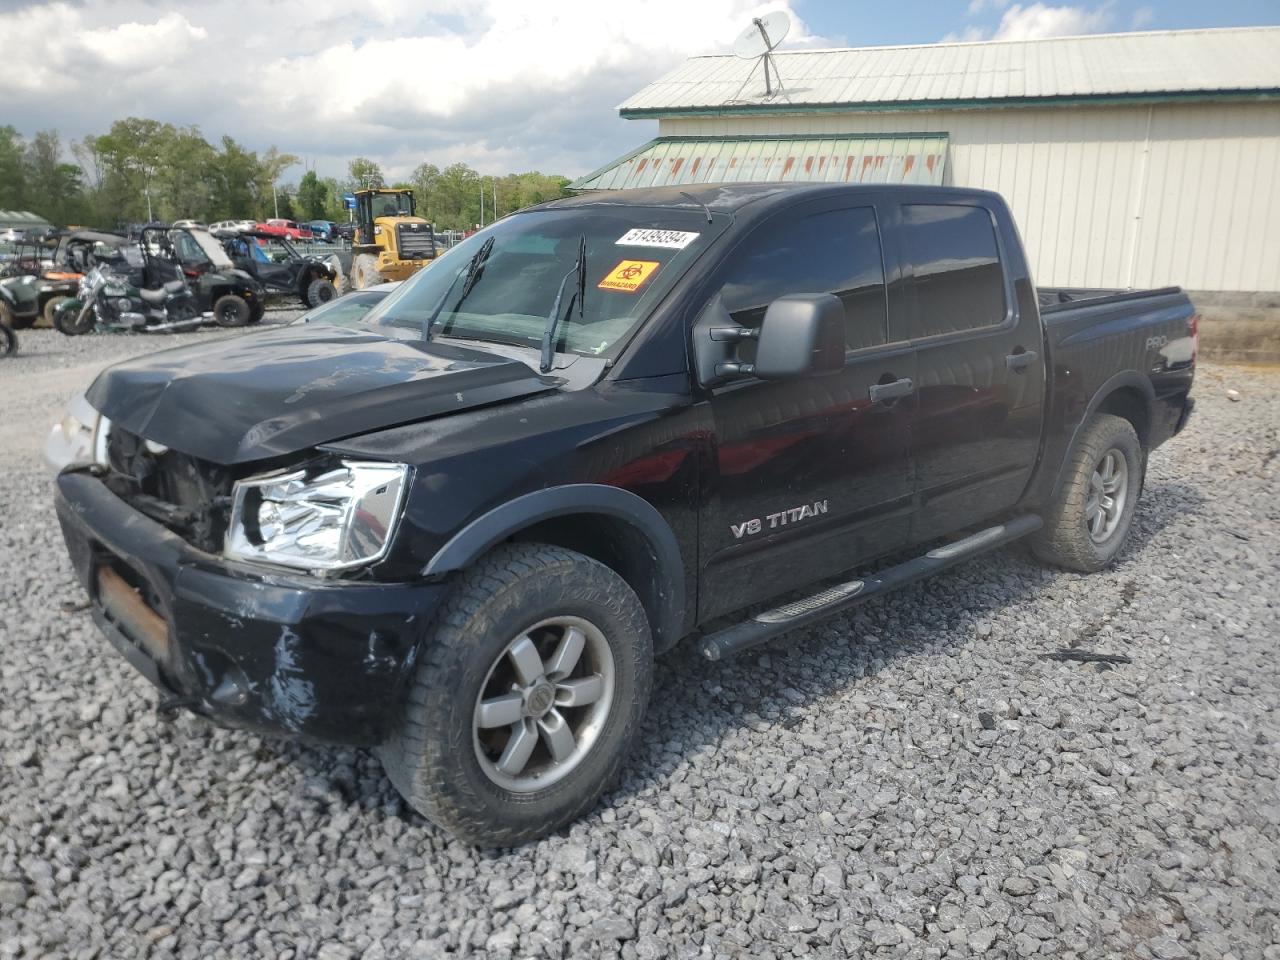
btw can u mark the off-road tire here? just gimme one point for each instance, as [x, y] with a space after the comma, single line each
[8, 340]
[341, 281]
[320, 291]
[9, 320]
[1064, 539]
[431, 757]
[364, 272]
[46, 313]
[257, 311]
[231, 310]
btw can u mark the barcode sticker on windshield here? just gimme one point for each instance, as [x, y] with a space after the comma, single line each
[669, 239]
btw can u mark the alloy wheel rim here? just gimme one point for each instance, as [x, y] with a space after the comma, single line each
[1108, 494]
[543, 704]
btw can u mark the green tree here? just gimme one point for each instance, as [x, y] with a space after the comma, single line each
[235, 181]
[12, 172]
[53, 187]
[313, 197]
[365, 173]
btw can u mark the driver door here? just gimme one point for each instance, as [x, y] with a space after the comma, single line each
[808, 476]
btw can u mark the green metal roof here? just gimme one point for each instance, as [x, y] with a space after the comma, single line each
[22, 220]
[902, 158]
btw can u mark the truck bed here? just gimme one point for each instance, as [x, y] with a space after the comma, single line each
[1054, 299]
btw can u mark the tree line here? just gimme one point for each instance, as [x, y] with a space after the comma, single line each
[144, 169]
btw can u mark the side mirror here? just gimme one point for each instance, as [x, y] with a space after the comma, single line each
[802, 334]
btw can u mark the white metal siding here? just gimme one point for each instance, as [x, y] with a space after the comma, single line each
[1099, 201]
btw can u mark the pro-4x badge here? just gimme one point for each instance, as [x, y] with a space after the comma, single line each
[774, 520]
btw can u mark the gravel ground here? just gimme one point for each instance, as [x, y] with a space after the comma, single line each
[913, 779]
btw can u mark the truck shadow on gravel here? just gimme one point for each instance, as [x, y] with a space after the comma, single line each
[695, 703]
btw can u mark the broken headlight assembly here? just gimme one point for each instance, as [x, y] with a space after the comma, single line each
[323, 517]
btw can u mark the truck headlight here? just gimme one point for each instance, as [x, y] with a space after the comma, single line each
[323, 517]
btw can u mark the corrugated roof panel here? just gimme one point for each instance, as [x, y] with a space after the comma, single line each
[1171, 62]
[874, 159]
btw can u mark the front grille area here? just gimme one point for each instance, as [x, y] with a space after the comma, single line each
[191, 497]
[415, 241]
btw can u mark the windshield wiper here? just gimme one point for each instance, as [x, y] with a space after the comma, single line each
[470, 277]
[553, 318]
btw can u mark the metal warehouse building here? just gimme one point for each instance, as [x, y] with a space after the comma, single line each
[1130, 160]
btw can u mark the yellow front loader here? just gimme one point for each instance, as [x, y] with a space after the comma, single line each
[391, 242]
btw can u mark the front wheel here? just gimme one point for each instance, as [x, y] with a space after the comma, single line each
[320, 291]
[231, 311]
[74, 319]
[526, 699]
[8, 340]
[1089, 522]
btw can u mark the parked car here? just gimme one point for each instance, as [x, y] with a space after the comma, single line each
[191, 224]
[276, 263]
[321, 229]
[285, 228]
[459, 533]
[223, 226]
[344, 231]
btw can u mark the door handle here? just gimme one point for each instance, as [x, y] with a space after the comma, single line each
[1018, 362]
[890, 391]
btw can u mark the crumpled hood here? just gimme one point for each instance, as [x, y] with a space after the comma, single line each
[278, 392]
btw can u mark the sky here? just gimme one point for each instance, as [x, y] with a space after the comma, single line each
[502, 85]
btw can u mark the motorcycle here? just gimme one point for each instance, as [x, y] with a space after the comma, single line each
[110, 301]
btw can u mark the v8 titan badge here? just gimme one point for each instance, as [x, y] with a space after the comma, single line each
[629, 275]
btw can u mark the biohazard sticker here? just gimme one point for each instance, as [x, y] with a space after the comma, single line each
[667, 239]
[629, 275]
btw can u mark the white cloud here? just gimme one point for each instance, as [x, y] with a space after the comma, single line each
[1142, 18]
[499, 84]
[1038, 20]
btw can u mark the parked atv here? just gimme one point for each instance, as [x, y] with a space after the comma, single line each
[45, 274]
[276, 263]
[232, 295]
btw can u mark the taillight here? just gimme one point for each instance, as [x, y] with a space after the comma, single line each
[1193, 331]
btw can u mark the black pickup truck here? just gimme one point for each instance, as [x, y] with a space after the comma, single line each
[459, 530]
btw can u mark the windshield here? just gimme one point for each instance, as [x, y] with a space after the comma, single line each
[346, 311]
[634, 256]
[391, 205]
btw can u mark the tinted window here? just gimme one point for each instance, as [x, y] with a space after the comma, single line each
[958, 281]
[834, 252]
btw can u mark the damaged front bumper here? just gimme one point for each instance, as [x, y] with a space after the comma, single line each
[265, 651]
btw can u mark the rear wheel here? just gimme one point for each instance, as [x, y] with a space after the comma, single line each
[257, 311]
[320, 291]
[231, 311]
[341, 281]
[1089, 523]
[50, 306]
[526, 699]
[8, 340]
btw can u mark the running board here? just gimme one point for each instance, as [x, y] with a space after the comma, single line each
[765, 626]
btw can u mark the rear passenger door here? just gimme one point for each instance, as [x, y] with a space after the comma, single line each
[976, 431]
[810, 475]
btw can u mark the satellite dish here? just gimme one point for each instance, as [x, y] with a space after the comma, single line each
[758, 41]
[762, 35]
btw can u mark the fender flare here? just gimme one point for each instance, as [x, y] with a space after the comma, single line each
[1120, 381]
[491, 528]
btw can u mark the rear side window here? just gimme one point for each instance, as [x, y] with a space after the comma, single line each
[959, 284]
[833, 252]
